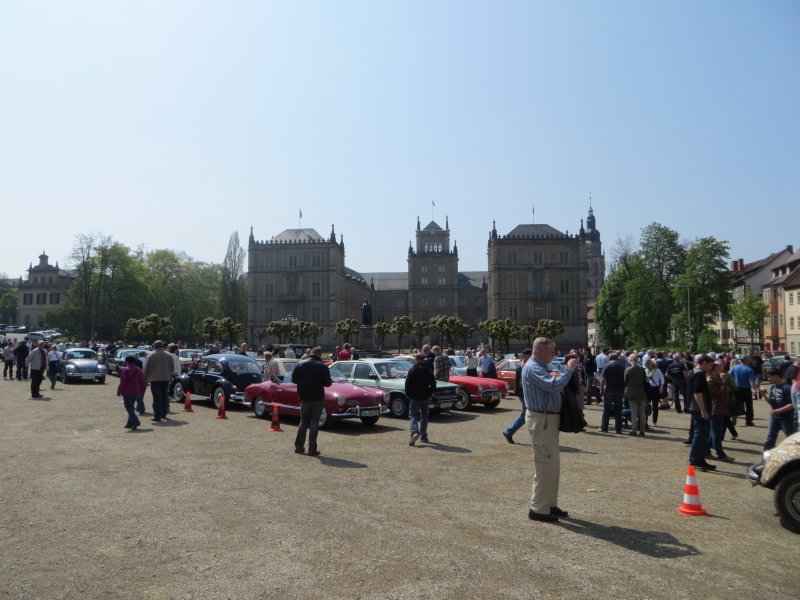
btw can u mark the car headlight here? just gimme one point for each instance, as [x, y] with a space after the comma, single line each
[766, 455]
[341, 400]
[387, 398]
[101, 368]
[69, 368]
[480, 387]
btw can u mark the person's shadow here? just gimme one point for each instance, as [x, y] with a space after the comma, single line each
[651, 543]
[341, 463]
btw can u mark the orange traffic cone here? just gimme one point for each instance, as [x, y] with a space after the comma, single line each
[276, 420]
[221, 411]
[691, 496]
[187, 404]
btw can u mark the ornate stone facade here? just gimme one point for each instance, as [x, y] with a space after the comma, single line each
[44, 290]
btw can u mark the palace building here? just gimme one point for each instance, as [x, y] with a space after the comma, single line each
[533, 272]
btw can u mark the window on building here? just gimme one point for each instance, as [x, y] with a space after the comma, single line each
[291, 288]
[442, 268]
[41, 298]
[512, 258]
[513, 312]
[766, 295]
[316, 288]
[399, 302]
[316, 260]
[442, 301]
[27, 298]
[791, 322]
[269, 262]
[793, 351]
[564, 286]
[35, 279]
[55, 298]
[564, 311]
[316, 314]
[423, 281]
[268, 315]
[563, 257]
[538, 285]
[537, 258]
[269, 292]
[780, 320]
[293, 261]
[442, 281]
[423, 269]
[424, 302]
[512, 285]
[791, 297]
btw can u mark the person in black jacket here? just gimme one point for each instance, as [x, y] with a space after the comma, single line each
[312, 377]
[420, 386]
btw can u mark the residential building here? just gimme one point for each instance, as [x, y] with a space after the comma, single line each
[775, 296]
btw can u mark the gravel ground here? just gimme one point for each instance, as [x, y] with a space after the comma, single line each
[204, 508]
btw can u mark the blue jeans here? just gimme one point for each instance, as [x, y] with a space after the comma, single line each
[418, 416]
[718, 424]
[518, 422]
[612, 401]
[678, 390]
[52, 371]
[130, 401]
[160, 398]
[776, 424]
[701, 429]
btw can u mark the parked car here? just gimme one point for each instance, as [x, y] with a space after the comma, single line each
[219, 377]
[285, 366]
[390, 375]
[36, 336]
[115, 363]
[507, 371]
[342, 401]
[458, 364]
[780, 471]
[188, 356]
[81, 364]
[472, 390]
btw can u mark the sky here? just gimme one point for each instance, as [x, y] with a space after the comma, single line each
[173, 124]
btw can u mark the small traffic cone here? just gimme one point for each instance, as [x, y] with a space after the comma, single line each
[691, 496]
[276, 420]
[221, 411]
[187, 404]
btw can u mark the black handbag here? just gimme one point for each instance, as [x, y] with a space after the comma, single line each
[572, 420]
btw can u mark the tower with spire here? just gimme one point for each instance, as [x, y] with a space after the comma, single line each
[432, 273]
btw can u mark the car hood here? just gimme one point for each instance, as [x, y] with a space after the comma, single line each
[82, 362]
[358, 393]
[787, 451]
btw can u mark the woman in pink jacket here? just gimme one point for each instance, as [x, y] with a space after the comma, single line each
[131, 387]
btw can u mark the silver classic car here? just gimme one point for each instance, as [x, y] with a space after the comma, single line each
[81, 363]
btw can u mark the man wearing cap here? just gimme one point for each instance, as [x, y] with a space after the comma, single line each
[543, 403]
[520, 420]
[159, 370]
[698, 404]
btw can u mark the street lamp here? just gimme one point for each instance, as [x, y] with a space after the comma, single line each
[620, 333]
[288, 322]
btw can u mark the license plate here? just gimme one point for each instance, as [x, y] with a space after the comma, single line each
[445, 405]
[373, 412]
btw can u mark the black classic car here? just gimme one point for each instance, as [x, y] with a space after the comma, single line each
[217, 377]
[116, 363]
[81, 363]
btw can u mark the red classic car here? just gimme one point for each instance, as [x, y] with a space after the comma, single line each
[507, 371]
[478, 390]
[342, 401]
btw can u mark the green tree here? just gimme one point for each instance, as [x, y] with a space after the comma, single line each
[381, 329]
[133, 329]
[703, 289]
[8, 305]
[526, 332]
[209, 329]
[347, 328]
[231, 328]
[153, 326]
[646, 306]
[606, 309]
[401, 327]
[499, 330]
[419, 329]
[276, 329]
[549, 328]
[233, 298]
[749, 313]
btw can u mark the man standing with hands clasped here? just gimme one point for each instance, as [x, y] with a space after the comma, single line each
[542, 417]
[312, 376]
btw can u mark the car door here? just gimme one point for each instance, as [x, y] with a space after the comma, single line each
[197, 377]
[364, 375]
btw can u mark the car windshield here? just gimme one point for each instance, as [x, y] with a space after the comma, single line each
[81, 354]
[396, 369]
[187, 353]
[458, 360]
[244, 366]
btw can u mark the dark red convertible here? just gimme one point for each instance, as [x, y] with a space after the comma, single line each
[342, 401]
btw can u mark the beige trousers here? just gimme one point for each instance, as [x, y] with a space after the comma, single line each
[546, 464]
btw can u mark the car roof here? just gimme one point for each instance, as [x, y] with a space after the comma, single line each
[229, 357]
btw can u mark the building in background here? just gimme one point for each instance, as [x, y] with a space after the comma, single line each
[42, 291]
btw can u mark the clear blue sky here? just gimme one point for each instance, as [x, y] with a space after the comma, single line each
[171, 124]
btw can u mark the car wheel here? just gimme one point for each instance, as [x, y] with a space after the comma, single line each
[101, 380]
[787, 501]
[324, 421]
[464, 401]
[492, 404]
[260, 409]
[399, 407]
[177, 391]
[219, 397]
[369, 420]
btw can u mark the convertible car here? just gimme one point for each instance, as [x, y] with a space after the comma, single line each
[342, 401]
